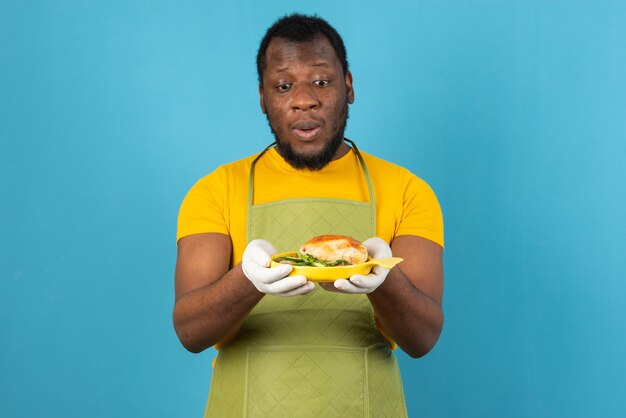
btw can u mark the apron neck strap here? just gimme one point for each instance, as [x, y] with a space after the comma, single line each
[366, 173]
[370, 188]
[251, 176]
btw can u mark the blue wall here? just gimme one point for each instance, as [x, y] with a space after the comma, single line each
[513, 111]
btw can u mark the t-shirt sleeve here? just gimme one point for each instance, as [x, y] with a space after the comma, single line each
[202, 210]
[421, 213]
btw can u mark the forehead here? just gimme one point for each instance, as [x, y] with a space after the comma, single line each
[283, 54]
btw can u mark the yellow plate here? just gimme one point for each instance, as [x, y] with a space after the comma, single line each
[330, 274]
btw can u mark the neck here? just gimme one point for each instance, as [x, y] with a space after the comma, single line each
[341, 151]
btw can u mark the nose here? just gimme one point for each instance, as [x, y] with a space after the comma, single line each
[304, 98]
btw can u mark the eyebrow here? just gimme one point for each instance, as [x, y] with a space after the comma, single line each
[316, 64]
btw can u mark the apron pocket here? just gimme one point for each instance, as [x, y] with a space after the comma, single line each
[310, 381]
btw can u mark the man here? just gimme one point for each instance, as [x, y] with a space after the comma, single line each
[288, 347]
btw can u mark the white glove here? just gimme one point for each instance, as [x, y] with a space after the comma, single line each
[376, 248]
[272, 281]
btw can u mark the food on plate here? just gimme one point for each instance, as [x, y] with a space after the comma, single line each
[328, 251]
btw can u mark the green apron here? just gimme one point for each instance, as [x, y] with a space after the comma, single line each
[317, 355]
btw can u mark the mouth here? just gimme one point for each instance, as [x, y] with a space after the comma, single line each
[306, 129]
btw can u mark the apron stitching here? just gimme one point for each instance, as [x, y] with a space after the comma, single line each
[246, 385]
[308, 199]
[366, 380]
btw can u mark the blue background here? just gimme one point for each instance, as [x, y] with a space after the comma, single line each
[513, 111]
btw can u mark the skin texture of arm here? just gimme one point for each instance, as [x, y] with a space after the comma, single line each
[211, 300]
[407, 304]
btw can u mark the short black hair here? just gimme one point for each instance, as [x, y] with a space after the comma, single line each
[298, 27]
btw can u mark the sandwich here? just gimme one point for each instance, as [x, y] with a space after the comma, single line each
[328, 251]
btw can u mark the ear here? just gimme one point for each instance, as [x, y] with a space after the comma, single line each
[261, 98]
[349, 88]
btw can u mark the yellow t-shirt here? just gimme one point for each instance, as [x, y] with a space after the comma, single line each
[405, 204]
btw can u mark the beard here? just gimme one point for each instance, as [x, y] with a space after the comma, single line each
[318, 161]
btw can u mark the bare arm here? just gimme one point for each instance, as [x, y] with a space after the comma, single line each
[211, 300]
[408, 303]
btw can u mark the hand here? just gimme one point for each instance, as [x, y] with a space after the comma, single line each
[376, 248]
[272, 281]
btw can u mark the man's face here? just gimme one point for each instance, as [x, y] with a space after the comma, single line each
[305, 96]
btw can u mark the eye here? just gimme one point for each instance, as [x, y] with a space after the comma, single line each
[282, 88]
[321, 83]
